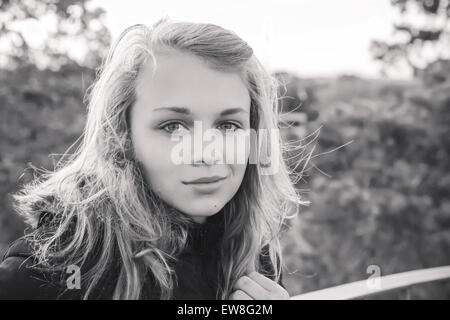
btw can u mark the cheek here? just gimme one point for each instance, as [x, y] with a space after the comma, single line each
[237, 147]
[238, 175]
[154, 154]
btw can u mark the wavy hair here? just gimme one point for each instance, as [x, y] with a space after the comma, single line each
[107, 216]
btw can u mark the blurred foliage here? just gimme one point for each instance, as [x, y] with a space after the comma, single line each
[64, 25]
[41, 113]
[385, 198]
[423, 36]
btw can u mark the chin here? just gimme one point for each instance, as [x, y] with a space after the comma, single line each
[204, 210]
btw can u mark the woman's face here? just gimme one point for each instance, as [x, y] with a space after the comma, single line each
[182, 91]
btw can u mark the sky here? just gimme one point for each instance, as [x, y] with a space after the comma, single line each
[312, 38]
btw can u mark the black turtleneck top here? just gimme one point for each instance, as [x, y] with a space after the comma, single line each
[196, 269]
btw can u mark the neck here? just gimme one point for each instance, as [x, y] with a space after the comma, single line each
[199, 219]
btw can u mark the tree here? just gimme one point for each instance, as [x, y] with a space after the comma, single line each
[422, 37]
[67, 28]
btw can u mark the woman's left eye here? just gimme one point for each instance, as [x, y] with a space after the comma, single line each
[229, 126]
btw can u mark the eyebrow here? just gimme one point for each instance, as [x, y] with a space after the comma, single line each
[184, 110]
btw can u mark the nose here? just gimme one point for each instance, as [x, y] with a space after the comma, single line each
[200, 158]
[207, 149]
[205, 157]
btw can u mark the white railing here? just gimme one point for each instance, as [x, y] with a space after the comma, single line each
[361, 289]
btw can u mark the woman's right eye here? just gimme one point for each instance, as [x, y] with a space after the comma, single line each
[173, 127]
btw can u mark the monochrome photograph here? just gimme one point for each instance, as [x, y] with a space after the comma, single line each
[225, 150]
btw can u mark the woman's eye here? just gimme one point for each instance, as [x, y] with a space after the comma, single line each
[173, 127]
[229, 126]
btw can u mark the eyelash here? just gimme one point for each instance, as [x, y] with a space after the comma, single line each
[162, 127]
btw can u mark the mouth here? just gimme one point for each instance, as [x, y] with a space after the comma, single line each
[205, 180]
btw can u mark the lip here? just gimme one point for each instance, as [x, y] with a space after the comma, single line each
[205, 180]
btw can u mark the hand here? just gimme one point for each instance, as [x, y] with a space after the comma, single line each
[255, 286]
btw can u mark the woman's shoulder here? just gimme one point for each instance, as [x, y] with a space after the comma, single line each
[20, 279]
[16, 279]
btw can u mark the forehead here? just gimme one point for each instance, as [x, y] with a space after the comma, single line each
[182, 79]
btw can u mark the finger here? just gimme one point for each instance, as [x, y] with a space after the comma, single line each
[240, 295]
[264, 282]
[277, 291]
[252, 288]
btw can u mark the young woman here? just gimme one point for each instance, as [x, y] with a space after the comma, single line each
[122, 219]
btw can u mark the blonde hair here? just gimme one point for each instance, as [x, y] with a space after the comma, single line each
[104, 210]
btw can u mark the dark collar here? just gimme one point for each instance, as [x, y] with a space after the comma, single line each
[204, 238]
